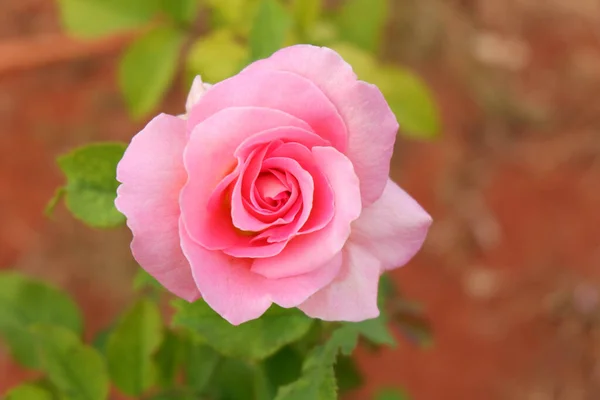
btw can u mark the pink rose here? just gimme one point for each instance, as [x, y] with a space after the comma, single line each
[274, 188]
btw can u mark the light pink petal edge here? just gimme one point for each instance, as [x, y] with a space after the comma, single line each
[151, 175]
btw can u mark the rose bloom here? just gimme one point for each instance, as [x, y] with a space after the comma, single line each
[273, 188]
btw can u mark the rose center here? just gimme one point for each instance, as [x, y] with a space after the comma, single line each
[273, 192]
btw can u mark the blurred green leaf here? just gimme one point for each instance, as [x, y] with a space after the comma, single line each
[375, 330]
[101, 339]
[144, 280]
[148, 67]
[253, 340]
[92, 18]
[216, 57]
[91, 183]
[318, 377]
[234, 15]
[306, 14]
[363, 63]
[362, 22]
[238, 380]
[169, 358]
[200, 362]
[269, 31]
[392, 394]
[182, 11]
[25, 302]
[347, 374]
[28, 391]
[78, 371]
[131, 346]
[283, 367]
[410, 99]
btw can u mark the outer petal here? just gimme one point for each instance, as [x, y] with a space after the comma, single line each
[393, 228]
[309, 252]
[239, 295]
[371, 125]
[152, 174]
[283, 91]
[353, 294]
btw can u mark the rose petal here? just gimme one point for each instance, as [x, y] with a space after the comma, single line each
[370, 123]
[152, 174]
[282, 91]
[352, 296]
[309, 252]
[239, 295]
[208, 158]
[393, 228]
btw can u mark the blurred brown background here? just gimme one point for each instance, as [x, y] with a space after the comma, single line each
[510, 275]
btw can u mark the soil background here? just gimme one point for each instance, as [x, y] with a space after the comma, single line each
[510, 274]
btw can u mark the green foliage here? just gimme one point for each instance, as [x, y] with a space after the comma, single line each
[25, 302]
[200, 363]
[236, 379]
[148, 68]
[269, 30]
[318, 377]
[28, 391]
[306, 14]
[347, 374]
[375, 330]
[392, 394]
[143, 280]
[91, 186]
[168, 358]
[235, 15]
[276, 328]
[411, 101]
[181, 11]
[76, 370]
[409, 319]
[131, 346]
[283, 367]
[92, 18]
[361, 22]
[216, 56]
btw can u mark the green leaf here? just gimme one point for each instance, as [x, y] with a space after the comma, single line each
[235, 15]
[131, 346]
[411, 101]
[148, 67]
[318, 377]
[101, 339]
[78, 371]
[361, 22]
[25, 302]
[91, 183]
[283, 367]
[238, 380]
[168, 358]
[200, 362]
[144, 280]
[253, 340]
[28, 391]
[216, 56]
[182, 11]
[306, 14]
[269, 30]
[347, 374]
[392, 394]
[363, 63]
[375, 330]
[91, 18]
